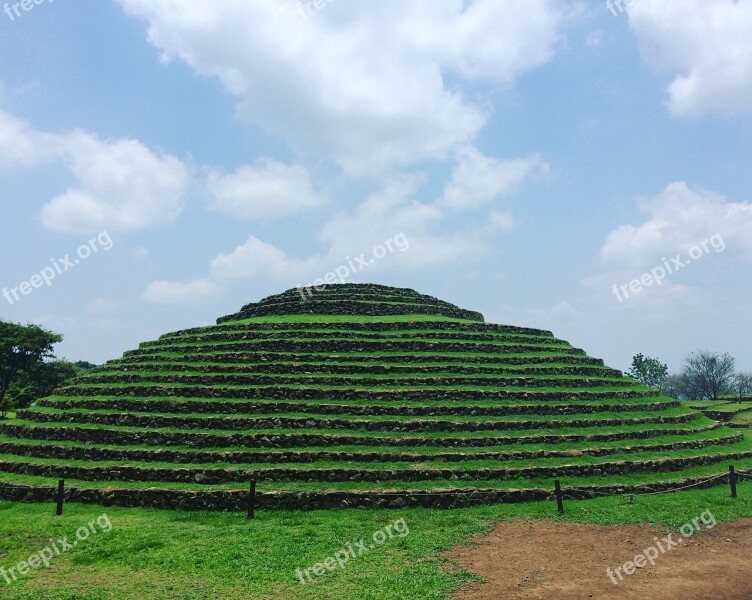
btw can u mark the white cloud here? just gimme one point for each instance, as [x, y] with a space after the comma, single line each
[20, 144]
[172, 293]
[655, 300]
[434, 238]
[267, 189]
[479, 180]
[120, 184]
[395, 210]
[706, 42]
[255, 258]
[363, 83]
[680, 217]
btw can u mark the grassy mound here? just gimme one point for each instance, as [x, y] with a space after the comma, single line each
[357, 395]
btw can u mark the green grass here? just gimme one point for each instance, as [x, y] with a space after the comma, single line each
[672, 411]
[360, 357]
[744, 418]
[161, 555]
[303, 318]
[395, 448]
[160, 402]
[625, 479]
[689, 427]
[743, 446]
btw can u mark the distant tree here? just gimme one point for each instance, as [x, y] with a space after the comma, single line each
[84, 365]
[649, 371]
[743, 384]
[675, 387]
[22, 347]
[40, 381]
[707, 375]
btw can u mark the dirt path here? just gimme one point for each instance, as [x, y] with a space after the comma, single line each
[538, 559]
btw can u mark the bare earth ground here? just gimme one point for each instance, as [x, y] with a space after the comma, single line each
[540, 559]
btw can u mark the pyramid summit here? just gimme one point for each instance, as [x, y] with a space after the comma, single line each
[352, 299]
[356, 395]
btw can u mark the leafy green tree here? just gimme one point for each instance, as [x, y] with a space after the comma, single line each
[649, 371]
[22, 347]
[40, 381]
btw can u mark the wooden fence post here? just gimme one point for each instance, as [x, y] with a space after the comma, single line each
[60, 496]
[559, 497]
[732, 480]
[252, 500]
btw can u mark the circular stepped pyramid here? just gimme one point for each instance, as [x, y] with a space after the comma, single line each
[356, 395]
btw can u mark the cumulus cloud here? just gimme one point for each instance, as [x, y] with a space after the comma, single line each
[378, 69]
[706, 44]
[679, 218]
[431, 234]
[479, 180]
[171, 293]
[393, 210]
[267, 189]
[22, 145]
[120, 184]
[256, 258]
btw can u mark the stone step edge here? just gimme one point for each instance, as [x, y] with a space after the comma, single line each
[236, 500]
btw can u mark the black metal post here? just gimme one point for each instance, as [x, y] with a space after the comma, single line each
[559, 497]
[60, 496]
[252, 500]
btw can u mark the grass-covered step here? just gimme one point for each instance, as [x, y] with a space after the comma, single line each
[470, 462]
[325, 334]
[135, 357]
[359, 407]
[345, 344]
[440, 494]
[376, 473]
[724, 410]
[695, 433]
[121, 435]
[365, 305]
[396, 324]
[222, 379]
[620, 483]
[347, 307]
[351, 369]
[377, 393]
[92, 452]
[302, 421]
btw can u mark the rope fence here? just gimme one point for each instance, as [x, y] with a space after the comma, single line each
[60, 493]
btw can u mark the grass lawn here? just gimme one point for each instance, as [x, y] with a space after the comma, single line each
[155, 555]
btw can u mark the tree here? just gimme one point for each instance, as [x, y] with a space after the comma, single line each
[743, 384]
[649, 371]
[22, 347]
[84, 365]
[707, 375]
[674, 386]
[40, 381]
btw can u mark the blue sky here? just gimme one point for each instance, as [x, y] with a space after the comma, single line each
[534, 154]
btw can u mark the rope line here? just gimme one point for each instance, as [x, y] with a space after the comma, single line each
[458, 493]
